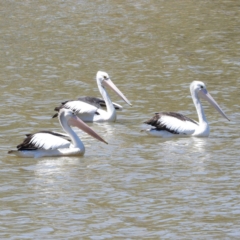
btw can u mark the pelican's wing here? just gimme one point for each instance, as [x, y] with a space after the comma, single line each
[98, 102]
[44, 140]
[172, 122]
[79, 107]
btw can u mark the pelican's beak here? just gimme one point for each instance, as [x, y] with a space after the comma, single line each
[116, 90]
[77, 122]
[204, 94]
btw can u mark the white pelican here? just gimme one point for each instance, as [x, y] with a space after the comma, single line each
[47, 143]
[168, 124]
[89, 108]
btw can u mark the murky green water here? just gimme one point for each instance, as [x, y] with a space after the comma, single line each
[137, 187]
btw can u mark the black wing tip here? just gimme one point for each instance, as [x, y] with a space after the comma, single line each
[58, 108]
[55, 115]
[153, 120]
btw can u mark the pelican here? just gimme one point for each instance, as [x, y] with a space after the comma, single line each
[51, 144]
[169, 124]
[89, 108]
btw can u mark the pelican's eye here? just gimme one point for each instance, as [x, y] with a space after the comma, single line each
[201, 87]
[105, 77]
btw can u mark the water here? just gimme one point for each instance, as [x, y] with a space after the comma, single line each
[137, 187]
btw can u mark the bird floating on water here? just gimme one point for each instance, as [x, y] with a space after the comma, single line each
[51, 144]
[169, 124]
[89, 108]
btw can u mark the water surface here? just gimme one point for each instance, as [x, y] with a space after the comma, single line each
[137, 187]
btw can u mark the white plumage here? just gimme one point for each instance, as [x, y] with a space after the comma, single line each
[48, 141]
[81, 107]
[177, 125]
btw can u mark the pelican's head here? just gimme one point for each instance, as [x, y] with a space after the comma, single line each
[104, 80]
[197, 86]
[102, 76]
[69, 116]
[66, 113]
[199, 89]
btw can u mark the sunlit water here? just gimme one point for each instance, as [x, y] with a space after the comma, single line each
[137, 186]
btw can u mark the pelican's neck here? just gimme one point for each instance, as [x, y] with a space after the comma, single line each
[111, 112]
[76, 141]
[201, 115]
[203, 127]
